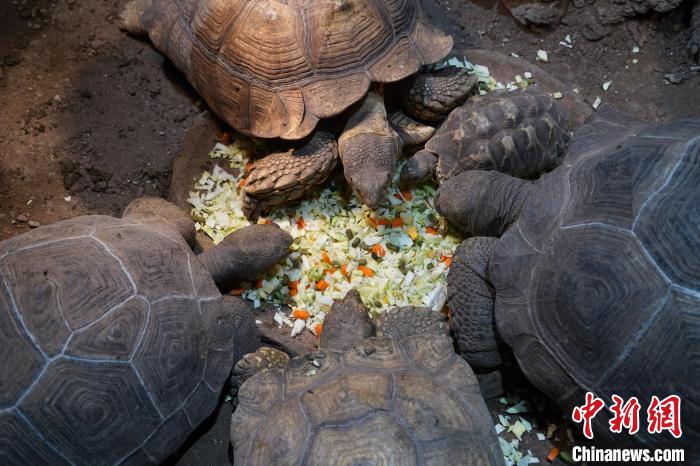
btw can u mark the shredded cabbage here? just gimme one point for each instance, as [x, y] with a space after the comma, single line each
[397, 255]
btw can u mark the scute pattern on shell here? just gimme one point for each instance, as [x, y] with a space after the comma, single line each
[521, 133]
[273, 69]
[598, 282]
[111, 343]
[388, 402]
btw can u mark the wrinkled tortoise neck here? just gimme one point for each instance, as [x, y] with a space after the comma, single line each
[245, 254]
[483, 203]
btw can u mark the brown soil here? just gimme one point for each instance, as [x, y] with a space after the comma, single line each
[92, 118]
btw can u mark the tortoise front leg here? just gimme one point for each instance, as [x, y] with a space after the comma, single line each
[433, 95]
[471, 302]
[287, 176]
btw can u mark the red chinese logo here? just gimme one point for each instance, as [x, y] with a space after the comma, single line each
[625, 415]
[587, 412]
[665, 415]
[662, 415]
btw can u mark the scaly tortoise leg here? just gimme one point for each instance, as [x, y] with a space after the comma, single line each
[433, 95]
[286, 176]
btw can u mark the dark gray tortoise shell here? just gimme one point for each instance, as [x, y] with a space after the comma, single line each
[114, 343]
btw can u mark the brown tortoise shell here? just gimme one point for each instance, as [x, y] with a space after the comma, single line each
[408, 402]
[273, 68]
[114, 343]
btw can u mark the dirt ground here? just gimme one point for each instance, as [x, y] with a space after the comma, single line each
[92, 118]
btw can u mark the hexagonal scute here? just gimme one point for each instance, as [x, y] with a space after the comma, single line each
[114, 336]
[94, 413]
[590, 296]
[377, 439]
[377, 352]
[348, 396]
[609, 188]
[669, 225]
[172, 353]
[20, 360]
[281, 439]
[62, 286]
[21, 445]
[158, 266]
[664, 360]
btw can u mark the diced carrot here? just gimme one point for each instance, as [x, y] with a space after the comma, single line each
[385, 222]
[258, 283]
[407, 195]
[321, 285]
[300, 314]
[378, 250]
[431, 230]
[397, 222]
[553, 453]
[226, 138]
[249, 166]
[326, 258]
[398, 196]
[366, 271]
[293, 292]
[331, 270]
[300, 223]
[293, 284]
[319, 329]
[344, 270]
[237, 291]
[242, 182]
[372, 221]
[446, 259]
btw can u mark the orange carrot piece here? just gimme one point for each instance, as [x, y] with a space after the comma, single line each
[397, 222]
[300, 314]
[366, 271]
[237, 291]
[326, 258]
[372, 221]
[331, 270]
[322, 285]
[344, 270]
[293, 292]
[249, 167]
[446, 259]
[293, 284]
[226, 138]
[242, 182]
[319, 329]
[258, 283]
[385, 222]
[553, 453]
[431, 230]
[378, 250]
[300, 223]
[407, 195]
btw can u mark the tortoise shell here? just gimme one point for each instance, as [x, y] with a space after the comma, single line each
[273, 68]
[598, 282]
[522, 133]
[114, 343]
[381, 402]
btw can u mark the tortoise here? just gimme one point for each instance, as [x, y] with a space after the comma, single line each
[404, 397]
[115, 341]
[522, 133]
[273, 69]
[591, 274]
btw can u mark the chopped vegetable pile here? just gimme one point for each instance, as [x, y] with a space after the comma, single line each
[394, 256]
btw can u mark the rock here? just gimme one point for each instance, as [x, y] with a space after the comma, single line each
[593, 29]
[538, 14]
[34, 224]
[22, 218]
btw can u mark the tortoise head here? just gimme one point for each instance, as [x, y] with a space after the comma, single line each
[347, 324]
